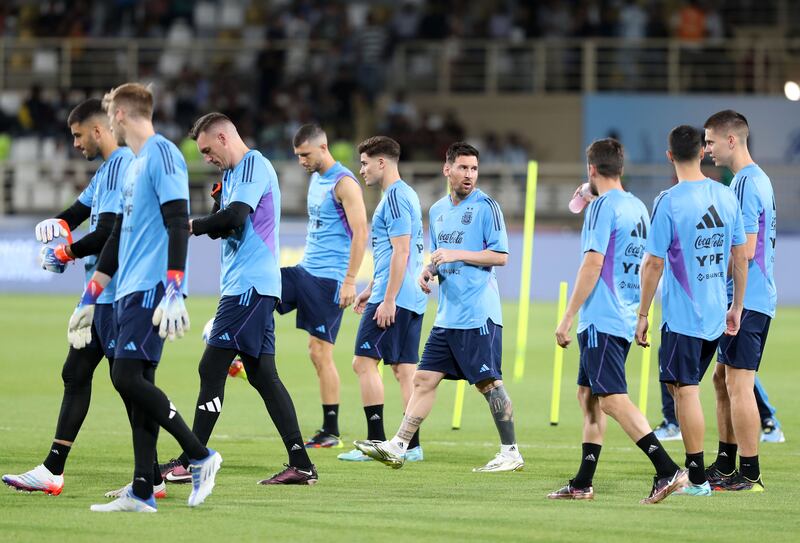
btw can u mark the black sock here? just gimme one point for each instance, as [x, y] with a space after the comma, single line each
[414, 440]
[213, 370]
[330, 418]
[145, 436]
[697, 469]
[57, 458]
[651, 446]
[133, 379]
[374, 414]
[726, 457]
[77, 375]
[262, 374]
[748, 466]
[591, 454]
[157, 479]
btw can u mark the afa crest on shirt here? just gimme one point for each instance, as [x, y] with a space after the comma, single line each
[466, 218]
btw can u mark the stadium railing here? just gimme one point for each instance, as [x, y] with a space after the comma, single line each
[745, 64]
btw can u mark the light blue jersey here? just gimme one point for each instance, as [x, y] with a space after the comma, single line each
[328, 235]
[398, 214]
[250, 257]
[693, 227]
[102, 196]
[156, 175]
[615, 225]
[753, 189]
[468, 294]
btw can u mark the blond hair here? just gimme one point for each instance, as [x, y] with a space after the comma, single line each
[135, 97]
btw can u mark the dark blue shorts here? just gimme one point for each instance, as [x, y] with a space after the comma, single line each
[684, 359]
[475, 354]
[602, 362]
[316, 300]
[397, 344]
[245, 324]
[104, 329]
[744, 350]
[136, 336]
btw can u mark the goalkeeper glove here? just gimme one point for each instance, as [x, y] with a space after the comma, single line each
[52, 228]
[171, 316]
[79, 331]
[55, 259]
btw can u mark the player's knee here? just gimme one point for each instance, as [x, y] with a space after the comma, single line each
[363, 365]
[123, 379]
[719, 378]
[611, 404]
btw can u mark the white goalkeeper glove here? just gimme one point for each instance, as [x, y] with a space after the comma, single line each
[79, 330]
[52, 228]
[171, 316]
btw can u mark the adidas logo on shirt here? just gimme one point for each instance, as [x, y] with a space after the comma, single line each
[640, 231]
[131, 346]
[590, 458]
[365, 345]
[710, 220]
[484, 368]
[320, 328]
[224, 337]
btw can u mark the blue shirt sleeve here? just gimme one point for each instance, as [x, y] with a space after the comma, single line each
[398, 214]
[431, 233]
[751, 207]
[87, 195]
[738, 236]
[256, 181]
[661, 227]
[168, 173]
[599, 223]
[495, 237]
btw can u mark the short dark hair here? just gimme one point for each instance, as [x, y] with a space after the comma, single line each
[380, 145]
[205, 123]
[728, 120]
[86, 110]
[685, 143]
[307, 132]
[460, 148]
[607, 155]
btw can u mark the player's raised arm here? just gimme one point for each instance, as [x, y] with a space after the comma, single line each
[350, 195]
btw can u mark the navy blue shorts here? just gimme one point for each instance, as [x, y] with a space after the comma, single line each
[136, 336]
[684, 359]
[104, 329]
[602, 362]
[316, 300]
[475, 354]
[744, 350]
[398, 344]
[245, 324]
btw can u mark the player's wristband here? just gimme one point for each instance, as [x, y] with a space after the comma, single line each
[60, 252]
[643, 316]
[91, 294]
[174, 281]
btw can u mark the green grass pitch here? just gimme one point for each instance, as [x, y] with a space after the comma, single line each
[438, 499]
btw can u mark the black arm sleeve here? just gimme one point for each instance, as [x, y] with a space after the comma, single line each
[109, 256]
[92, 243]
[75, 214]
[224, 221]
[176, 220]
